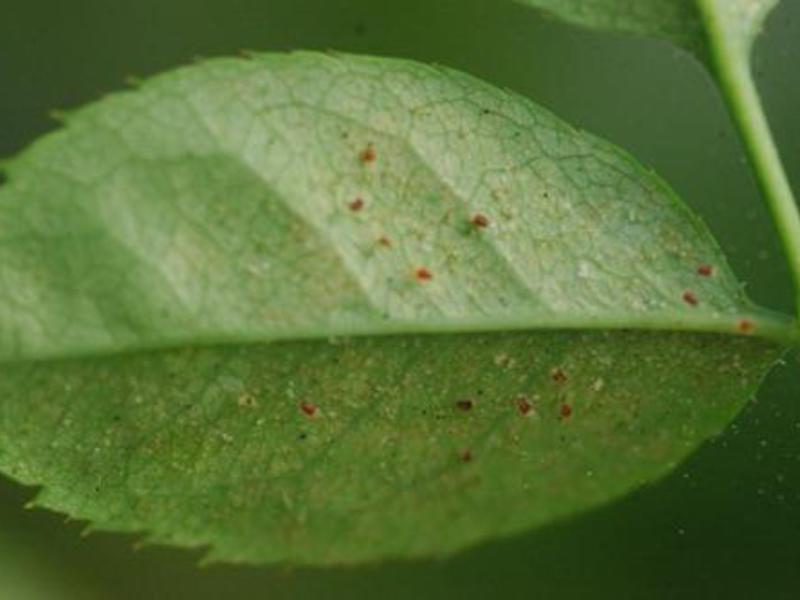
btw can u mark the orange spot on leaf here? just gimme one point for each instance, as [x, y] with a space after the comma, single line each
[705, 270]
[558, 375]
[746, 326]
[368, 154]
[308, 409]
[423, 274]
[480, 221]
[524, 405]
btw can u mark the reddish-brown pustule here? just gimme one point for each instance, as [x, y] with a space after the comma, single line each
[558, 375]
[464, 405]
[423, 274]
[308, 409]
[565, 411]
[705, 271]
[524, 405]
[356, 204]
[368, 154]
[480, 221]
[690, 298]
[385, 241]
[465, 455]
[746, 326]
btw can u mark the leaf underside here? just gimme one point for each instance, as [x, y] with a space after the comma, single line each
[408, 446]
[215, 289]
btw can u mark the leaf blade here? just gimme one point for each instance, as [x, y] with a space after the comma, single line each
[686, 23]
[678, 21]
[388, 464]
[577, 228]
[248, 201]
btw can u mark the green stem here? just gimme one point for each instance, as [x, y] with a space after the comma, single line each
[741, 95]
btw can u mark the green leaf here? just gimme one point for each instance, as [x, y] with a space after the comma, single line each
[292, 308]
[676, 20]
[721, 33]
[690, 24]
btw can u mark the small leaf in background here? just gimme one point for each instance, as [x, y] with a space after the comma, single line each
[290, 308]
[689, 24]
[676, 20]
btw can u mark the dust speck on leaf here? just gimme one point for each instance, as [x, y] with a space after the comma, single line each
[247, 401]
[464, 405]
[504, 361]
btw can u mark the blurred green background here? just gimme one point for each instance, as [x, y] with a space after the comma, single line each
[725, 525]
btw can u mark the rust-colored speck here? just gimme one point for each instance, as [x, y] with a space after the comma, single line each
[308, 409]
[705, 271]
[524, 405]
[464, 405]
[356, 205]
[558, 375]
[746, 326]
[423, 274]
[565, 411]
[465, 456]
[690, 298]
[385, 241]
[480, 221]
[368, 154]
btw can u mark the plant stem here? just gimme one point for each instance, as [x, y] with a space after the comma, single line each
[741, 95]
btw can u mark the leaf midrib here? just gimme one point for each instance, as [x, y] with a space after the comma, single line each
[774, 327]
